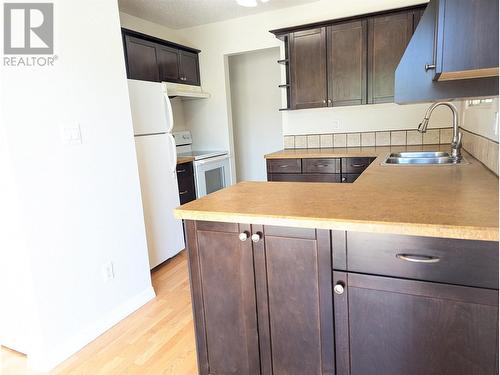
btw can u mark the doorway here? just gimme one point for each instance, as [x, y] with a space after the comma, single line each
[255, 99]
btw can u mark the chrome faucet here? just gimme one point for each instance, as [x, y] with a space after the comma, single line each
[456, 142]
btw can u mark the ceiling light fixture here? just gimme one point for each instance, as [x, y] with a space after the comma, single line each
[250, 3]
[247, 3]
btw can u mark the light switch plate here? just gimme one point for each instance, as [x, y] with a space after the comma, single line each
[71, 134]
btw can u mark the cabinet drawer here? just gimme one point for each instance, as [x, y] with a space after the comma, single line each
[355, 165]
[284, 166]
[185, 182]
[321, 165]
[294, 177]
[462, 262]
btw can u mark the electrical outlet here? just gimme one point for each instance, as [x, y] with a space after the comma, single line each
[108, 272]
[336, 125]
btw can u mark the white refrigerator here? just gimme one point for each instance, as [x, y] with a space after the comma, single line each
[156, 158]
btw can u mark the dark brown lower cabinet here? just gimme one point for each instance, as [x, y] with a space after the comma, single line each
[223, 295]
[261, 305]
[293, 283]
[395, 326]
[266, 301]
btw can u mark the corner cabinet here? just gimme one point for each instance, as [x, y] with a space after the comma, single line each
[452, 54]
[252, 315]
[151, 59]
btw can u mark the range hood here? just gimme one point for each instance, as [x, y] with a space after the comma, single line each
[185, 91]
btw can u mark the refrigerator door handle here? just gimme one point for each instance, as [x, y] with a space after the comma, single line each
[174, 153]
[170, 115]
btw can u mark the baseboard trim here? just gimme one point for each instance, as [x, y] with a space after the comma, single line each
[50, 359]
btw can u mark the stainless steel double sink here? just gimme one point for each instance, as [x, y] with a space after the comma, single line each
[421, 157]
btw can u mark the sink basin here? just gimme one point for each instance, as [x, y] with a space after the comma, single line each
[420, 154]
[423, 157]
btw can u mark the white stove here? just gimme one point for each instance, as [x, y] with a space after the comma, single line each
[200, 155]
[211, 168]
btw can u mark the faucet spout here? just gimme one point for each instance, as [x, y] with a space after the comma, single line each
[456, 142]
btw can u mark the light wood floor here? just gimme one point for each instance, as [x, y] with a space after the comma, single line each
[156, 339]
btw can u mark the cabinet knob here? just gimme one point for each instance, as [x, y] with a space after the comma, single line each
[338, 288]
[430, 66]
[329, 101]
[344, 179]
[324, 101]
[243, 236]
[256, 237]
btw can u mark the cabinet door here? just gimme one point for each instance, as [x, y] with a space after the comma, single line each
[308, 68]
[395, 326]
[293, 281]
[168, 63]
[467, 39]
[189, 68]
[347, 46]
[223, 295]
[388, 37]
[141, 59]
[417, 15]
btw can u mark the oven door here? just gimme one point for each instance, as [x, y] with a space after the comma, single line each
[211, 174]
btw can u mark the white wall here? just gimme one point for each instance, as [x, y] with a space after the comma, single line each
[375, 117]
[256, 123]
[482, 119]
[79, 205]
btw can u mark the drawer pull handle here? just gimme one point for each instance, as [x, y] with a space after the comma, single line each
[181, 170]
[358, 165]
[183, 192]
[284, 166]
[418, 258]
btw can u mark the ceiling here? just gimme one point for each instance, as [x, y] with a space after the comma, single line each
[178, 14]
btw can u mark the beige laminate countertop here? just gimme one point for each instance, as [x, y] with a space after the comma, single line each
[184, 159]
[454, 201]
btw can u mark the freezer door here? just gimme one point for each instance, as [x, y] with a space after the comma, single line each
[151, 109]
[160, 195]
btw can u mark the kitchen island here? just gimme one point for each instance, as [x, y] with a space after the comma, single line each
[396, 273]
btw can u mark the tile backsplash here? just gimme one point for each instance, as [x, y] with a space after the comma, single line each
[482, 148]
[366, 139]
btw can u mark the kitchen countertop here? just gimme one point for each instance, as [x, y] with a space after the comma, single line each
[184, 159]
[450, 201]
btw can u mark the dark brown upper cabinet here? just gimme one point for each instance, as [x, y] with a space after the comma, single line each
[348, 61]
[347, 48]
[168, 63]
[308, 68]
[188, 68]
[466, 39]
[152, 59]
[445, 52]
[388, 36]
[141, 59]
